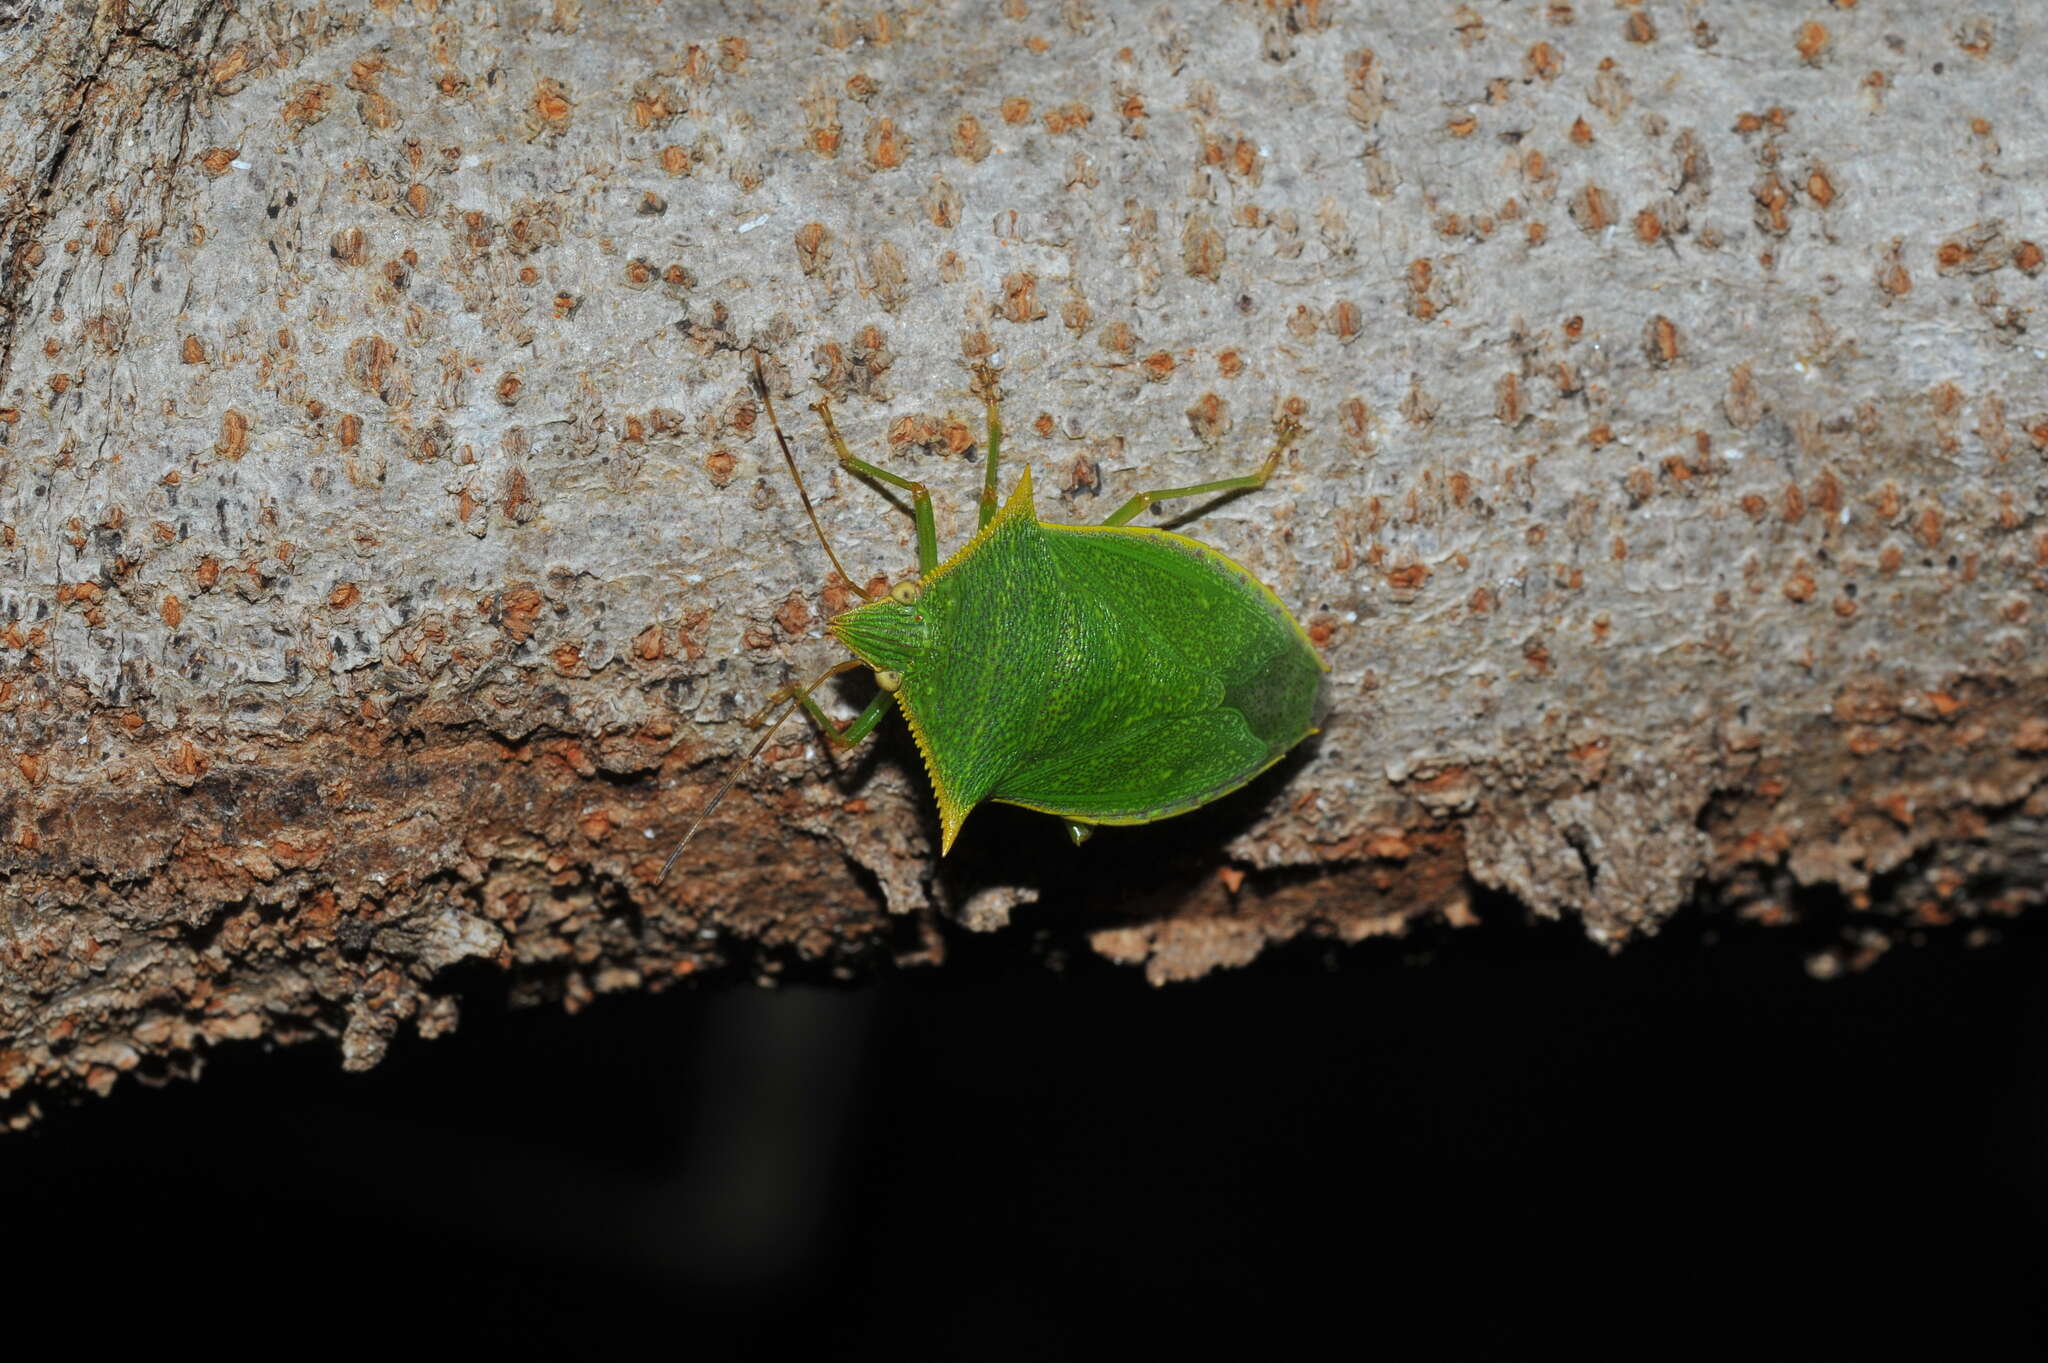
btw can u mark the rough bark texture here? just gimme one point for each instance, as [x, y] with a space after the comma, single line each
[390, 543]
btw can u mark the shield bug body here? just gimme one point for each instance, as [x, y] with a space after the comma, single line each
[1103, 674]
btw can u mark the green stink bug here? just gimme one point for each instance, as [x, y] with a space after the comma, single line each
[1103, 674]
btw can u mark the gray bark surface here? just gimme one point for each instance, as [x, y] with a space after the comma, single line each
[390, 543]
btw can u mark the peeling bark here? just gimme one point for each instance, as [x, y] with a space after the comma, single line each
[390, 543]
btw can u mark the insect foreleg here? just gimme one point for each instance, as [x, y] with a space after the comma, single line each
[841, 736]
[837, 734]
[993, 453]
[768, 401]
[920, 496]
[853, 730]
[1288, 433]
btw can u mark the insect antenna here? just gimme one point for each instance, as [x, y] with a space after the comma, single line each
[761, 387]
[797, 696]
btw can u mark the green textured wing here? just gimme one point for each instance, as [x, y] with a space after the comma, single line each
[1194, 679]
[1164, 767]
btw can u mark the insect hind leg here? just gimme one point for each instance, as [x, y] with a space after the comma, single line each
[1289, 432]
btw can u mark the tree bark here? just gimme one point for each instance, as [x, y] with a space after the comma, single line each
[390, 543]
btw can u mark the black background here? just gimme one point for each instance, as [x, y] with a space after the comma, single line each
[1478, 1142]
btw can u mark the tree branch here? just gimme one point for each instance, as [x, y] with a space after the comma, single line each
[390, 542]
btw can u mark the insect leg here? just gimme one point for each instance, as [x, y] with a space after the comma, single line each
[920, 496]
[1288, 434]
[845, 737]
[837, 734]
[993, 453]
[761, 387]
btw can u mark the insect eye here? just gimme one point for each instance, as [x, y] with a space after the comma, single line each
[889, 679]
[905, 593]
